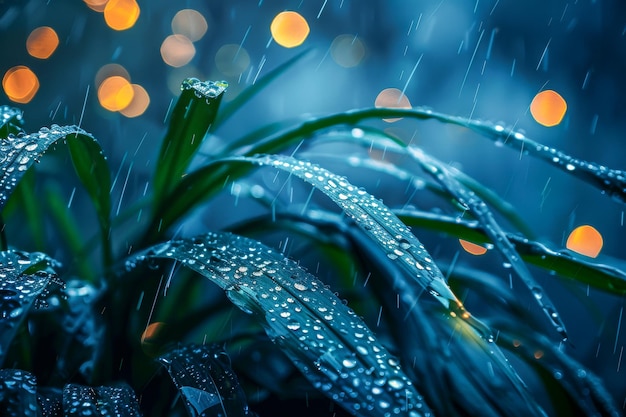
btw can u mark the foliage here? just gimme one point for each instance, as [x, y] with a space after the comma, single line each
[132, 329]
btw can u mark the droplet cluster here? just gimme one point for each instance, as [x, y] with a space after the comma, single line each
[204, 89]
[325, 339]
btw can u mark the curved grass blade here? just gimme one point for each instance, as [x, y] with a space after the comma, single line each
[19, 153]
[206, 381]
[610, 181]
[245, 96]
[192, 116]
[332, 347]
[11, 121]
[18, 394]
[25, 277]
[493, 230]
[79, 400]
[597, 275]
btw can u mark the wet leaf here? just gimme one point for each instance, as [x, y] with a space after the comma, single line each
[492, 229]
[11, 121]
[330, 345]
[18, 394]
[598, 275]
[206, 381]
[19, 153]
[79, 400]
[23, 279]
[191, 118]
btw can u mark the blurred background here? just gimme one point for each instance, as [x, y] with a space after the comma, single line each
[116, 72]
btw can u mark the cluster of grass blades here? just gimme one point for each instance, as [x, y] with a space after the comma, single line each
[131, 328]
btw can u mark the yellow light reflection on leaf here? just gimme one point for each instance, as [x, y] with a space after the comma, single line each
[115, 93]
[138, 104]
[232, 59]
[472, 248]
[347, 50]
[97, 5]
[20, 84]
[394, 98]
[42, 42]
[177, 50]
[548, 108]
[585, 240]
[121, 14]
[189, 23]
[289, 29]
[152, 338]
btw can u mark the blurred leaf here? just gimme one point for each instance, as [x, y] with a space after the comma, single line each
[206, 381]
[584, 393]
[247, 94]
[331, 346]
[24, 280]
[192, 116]
[24, 202]
[11, 121]
[18, 394]
[80, 401]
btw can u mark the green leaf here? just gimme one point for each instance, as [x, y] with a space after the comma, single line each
[191, 118]
[564, 263]
[245, 96]
[25, 278]
[205, 381]
[11, 121]
[19, 153]
[332, 347]
[24, 201]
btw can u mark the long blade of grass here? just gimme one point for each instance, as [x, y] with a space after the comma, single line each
[206, 381]
[491, 227]
[332, 347]
[25, 202]
[18, 393]
[192, 116]
[610, 181]
[598, 275]
[25, 277]
[245, 96]
[19, 153]
[80, 400]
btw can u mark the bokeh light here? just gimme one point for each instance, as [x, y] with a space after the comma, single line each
[472, 248]
[189, 23]
[138, 104]
[97, 5]
[548, 108]
[289, 29]
[394, 98]
[20, 84]
[151, 338]
[585, 240]
[121, 14]
[177, 50]
[110, 70]
[232, 60]
[42, 42]
[115, 93]
[347, 50]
